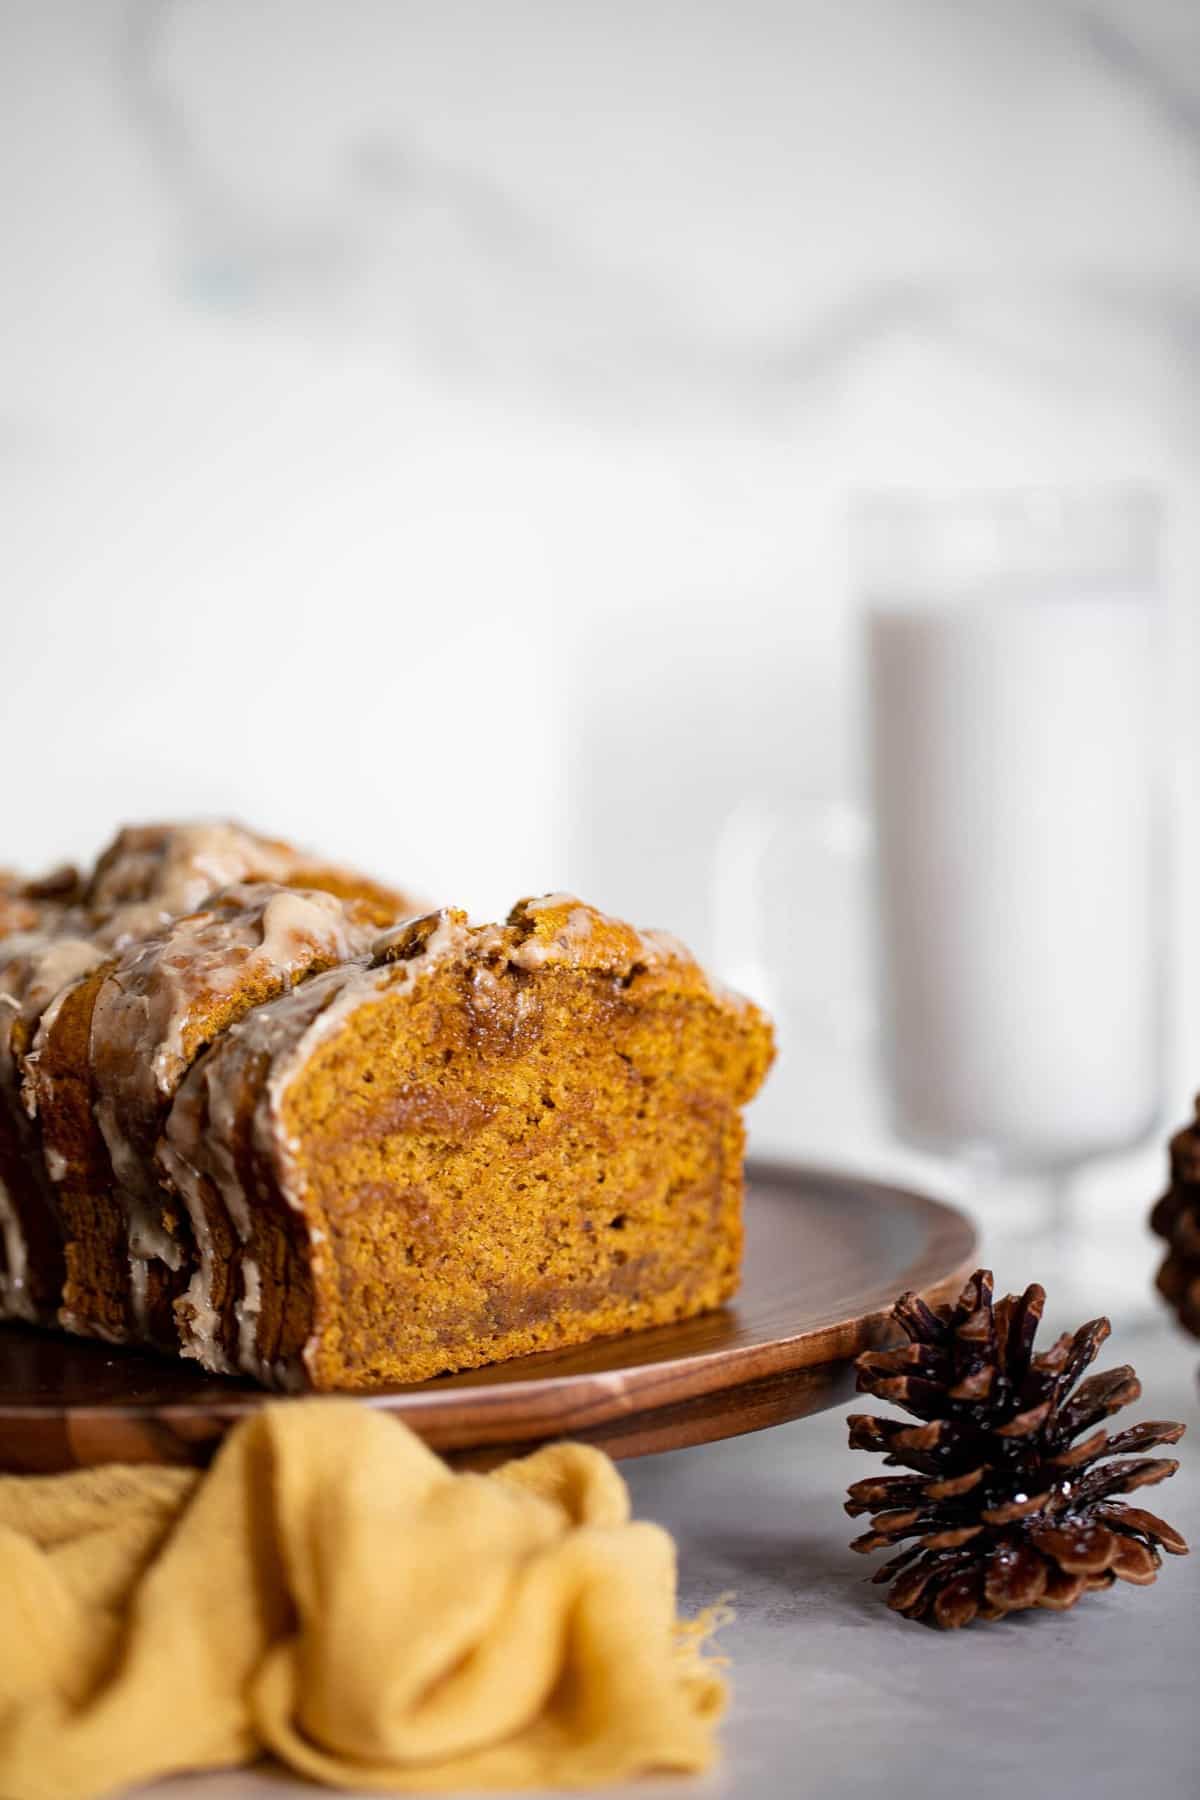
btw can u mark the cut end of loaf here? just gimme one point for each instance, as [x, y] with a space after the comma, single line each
[534, 1142]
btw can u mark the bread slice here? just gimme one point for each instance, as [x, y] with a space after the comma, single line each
[108, 1058]
[476, 1143]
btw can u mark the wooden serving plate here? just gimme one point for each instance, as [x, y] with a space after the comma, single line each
[825, 1257]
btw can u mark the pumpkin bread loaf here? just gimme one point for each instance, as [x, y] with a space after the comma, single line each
[291, 1133]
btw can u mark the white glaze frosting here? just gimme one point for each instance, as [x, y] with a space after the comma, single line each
[154, 873]
[197, 1154]
[161, 991]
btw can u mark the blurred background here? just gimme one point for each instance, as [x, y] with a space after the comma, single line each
[433, 433]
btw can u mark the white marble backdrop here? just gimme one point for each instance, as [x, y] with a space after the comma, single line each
[428, 429]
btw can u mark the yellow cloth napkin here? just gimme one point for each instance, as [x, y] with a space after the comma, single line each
[331, 1592]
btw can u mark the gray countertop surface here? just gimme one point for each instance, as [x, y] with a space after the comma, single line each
[834, 1695]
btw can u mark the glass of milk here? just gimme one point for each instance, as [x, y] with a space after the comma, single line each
[1012, 693]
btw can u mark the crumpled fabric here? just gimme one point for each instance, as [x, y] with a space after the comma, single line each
[331, 1593]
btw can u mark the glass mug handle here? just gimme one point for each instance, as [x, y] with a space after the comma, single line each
[790, 897]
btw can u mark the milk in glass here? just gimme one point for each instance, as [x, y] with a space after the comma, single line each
[1012, 759]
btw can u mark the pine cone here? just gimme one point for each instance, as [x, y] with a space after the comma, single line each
[1177, 1219]
[1007, 1509]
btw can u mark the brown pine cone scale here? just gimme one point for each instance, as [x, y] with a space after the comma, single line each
[1009, 1505]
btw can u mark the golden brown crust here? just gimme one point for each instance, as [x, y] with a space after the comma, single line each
[377, 903]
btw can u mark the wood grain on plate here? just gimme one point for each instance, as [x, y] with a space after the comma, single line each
[825, 1257]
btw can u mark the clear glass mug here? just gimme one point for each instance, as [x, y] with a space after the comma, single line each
[1003, 893]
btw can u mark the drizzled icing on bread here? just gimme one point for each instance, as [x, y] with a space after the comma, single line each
[168, 996]
[173, 981]
[34, 967]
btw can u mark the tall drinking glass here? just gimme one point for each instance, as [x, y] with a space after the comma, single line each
[1012, 651]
